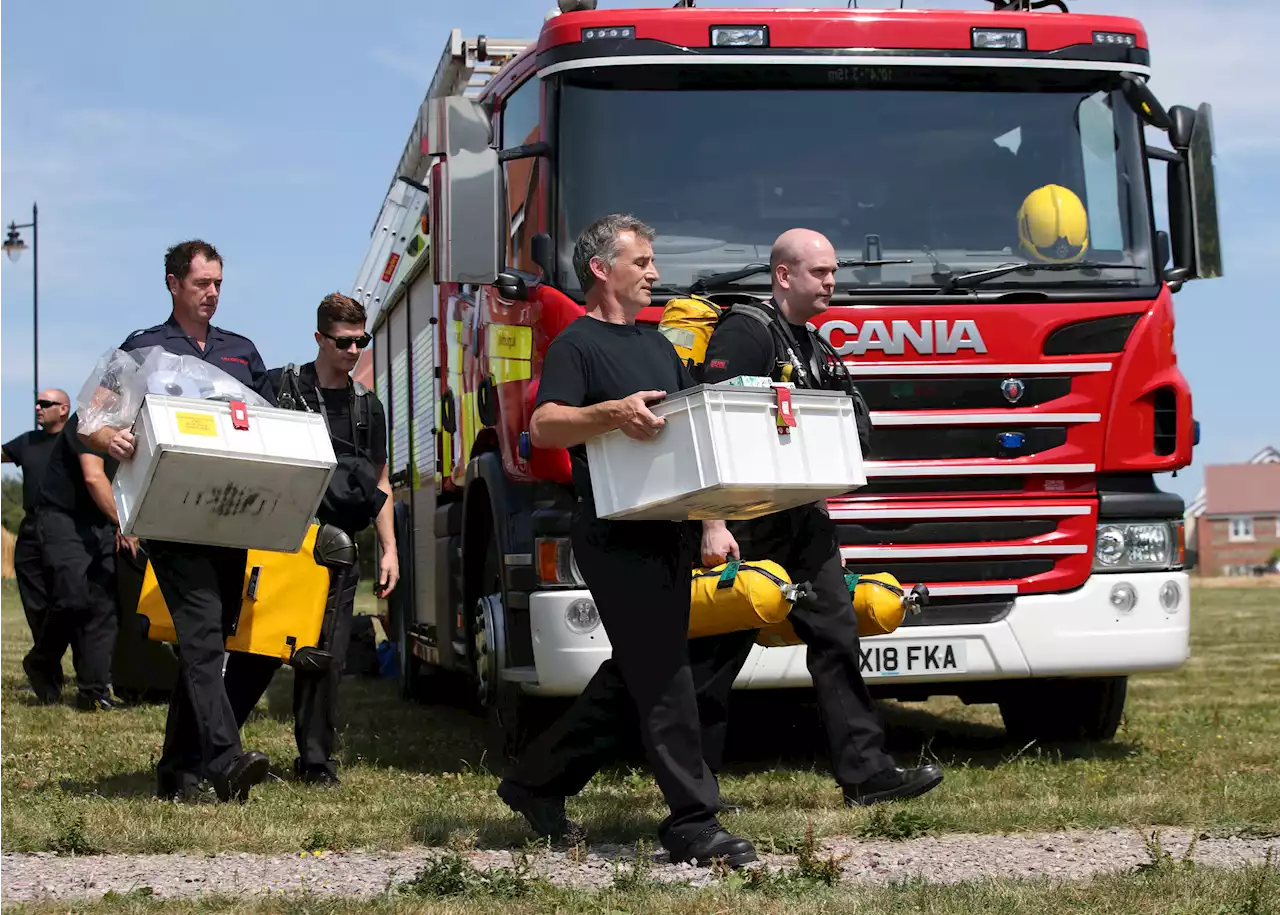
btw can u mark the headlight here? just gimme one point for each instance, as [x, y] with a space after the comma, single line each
[581, 616]
[1126, 546]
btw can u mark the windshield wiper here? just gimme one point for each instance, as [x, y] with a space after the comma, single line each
[949, 282]
[732, 276]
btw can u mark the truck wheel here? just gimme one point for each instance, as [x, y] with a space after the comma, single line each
[514, 717]
[1064, 710]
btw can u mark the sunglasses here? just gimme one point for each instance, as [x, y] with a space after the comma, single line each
[45, 404]
[345, 342]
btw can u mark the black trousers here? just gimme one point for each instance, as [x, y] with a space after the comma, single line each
[639, 576]
[804, 541]
[81, 561]
[43, 663]
[315, 693]
[202, 587]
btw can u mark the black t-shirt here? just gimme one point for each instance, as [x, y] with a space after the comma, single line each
[338, 406]
[741, 345]
[31, 451]
[63, 486]
[593, 361]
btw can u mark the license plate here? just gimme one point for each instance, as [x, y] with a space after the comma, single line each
[904, 659]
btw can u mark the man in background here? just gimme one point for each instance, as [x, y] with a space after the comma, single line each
[79, 534]
[360, 494]
[31, 451]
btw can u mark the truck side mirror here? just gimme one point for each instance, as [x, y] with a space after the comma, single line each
[1204, 196]
[512, 286]
[1195, 238]
[465, 217]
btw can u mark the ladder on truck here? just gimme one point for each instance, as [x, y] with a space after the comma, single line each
[466, 67]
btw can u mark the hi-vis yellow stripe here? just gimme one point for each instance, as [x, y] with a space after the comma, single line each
[505, 370]
[510, 349]
[510, 341]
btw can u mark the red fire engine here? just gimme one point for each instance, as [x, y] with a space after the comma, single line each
[1021, 407]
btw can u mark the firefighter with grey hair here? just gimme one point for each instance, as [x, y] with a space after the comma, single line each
[601, 373]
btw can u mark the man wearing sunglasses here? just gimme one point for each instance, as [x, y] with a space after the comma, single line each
[31, 451]
[359, 494]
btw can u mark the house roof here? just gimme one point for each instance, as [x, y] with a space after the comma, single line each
[1268, 455]
[1241, 489]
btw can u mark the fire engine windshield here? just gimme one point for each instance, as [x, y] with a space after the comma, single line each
[932, 167]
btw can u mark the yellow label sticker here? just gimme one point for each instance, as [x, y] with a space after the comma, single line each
[197, 424]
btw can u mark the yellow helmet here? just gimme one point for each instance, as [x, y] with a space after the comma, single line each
[1053, 225]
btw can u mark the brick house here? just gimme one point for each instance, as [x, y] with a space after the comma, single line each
[1234, 524]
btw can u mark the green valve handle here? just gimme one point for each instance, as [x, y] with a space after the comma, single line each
[728, 575]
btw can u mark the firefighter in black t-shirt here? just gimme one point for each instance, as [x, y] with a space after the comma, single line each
[78, 529]
[358, 430]
[31, 451]
[804, 540]
[599, 374]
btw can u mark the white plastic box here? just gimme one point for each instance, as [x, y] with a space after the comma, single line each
[720, 456]
[195, 478]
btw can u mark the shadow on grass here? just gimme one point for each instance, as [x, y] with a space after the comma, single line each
[768, 732]
[119, 785]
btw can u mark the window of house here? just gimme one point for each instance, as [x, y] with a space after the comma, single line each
[1240, 529]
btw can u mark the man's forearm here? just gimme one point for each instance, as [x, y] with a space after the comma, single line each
[100, 491]
[385, 525]
[555, 425]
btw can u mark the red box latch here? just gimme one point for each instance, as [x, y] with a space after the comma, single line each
[239, 415]
[786, 419]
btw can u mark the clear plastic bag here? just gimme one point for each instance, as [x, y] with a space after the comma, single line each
[112, 394]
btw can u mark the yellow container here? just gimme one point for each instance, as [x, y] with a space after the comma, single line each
[282, 607]
[740, 595]
[879, 603]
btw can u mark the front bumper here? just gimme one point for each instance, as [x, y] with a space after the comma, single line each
[1078, 633]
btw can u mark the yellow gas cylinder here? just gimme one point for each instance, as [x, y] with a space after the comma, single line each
[740, 595]
[879, 603]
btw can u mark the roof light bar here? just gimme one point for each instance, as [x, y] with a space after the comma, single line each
[1123, 39]
[606, 32]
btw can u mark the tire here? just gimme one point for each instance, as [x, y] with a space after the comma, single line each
[1087, 709]
[514, 717]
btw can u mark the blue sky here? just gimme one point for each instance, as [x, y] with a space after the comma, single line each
[271, 129]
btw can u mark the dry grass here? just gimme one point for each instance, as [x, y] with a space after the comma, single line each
[1198, 749]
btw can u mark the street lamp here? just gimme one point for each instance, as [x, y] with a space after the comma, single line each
[13, 247]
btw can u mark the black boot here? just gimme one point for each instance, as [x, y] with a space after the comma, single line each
[713, 844]
[893, 784]
[244, 772]
[545, 815]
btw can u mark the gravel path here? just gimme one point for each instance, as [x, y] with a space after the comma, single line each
[951, 858]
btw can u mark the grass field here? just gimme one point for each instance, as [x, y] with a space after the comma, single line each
[1198, 748]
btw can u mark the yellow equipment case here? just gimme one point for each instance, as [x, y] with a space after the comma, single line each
[287, 604]
[879, 603]
[741, 595]
[760, 595]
